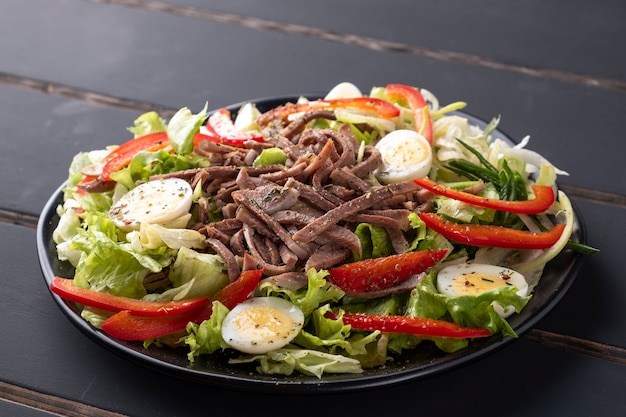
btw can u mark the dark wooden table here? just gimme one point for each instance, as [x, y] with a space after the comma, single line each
[74, 74]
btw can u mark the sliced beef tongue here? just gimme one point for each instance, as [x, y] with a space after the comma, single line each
[231, 262]
[289, 280]
[403, 287]
[253, 200]
[335, 235]
[352, 207]
[268, 198]
[297, 126]
[288, 218]
[328, 256]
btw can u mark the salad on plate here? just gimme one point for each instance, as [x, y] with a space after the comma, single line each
[320, 236]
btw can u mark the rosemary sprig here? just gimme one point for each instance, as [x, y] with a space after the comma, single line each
[509, 184]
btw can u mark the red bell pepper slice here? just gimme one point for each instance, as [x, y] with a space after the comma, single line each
[417, 104]
[380, 107]
[66, 289]
[126, 326]
[492, 236]
[417, 326]
[379, 273]
[544, 197]
[222, 130]
[121, 156]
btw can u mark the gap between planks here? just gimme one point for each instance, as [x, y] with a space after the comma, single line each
[255, 23]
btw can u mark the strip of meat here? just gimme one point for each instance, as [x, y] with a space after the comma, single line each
[318, 161]
[246, 181]
[280, 176]
[337, 235]
[246, 217]
[401, 288]
[203, 210]
[256, 247]
[185, 174]
[251, 156]
[238, 245]
[327, 256]
[347, 177]
[392, 227]
[231, 262]
[97, 186]
[289, 280]
[241, 198]
[401, 216]
[298, 125]
[269, 198]
[347, 148]
[309, 194]
[352, 207]
[216, 234]
[372, 159]
[287, 256]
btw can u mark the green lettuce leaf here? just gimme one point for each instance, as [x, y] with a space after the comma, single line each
[108, 268]
[206, 337]
[147, 123]
[375, 241]
[308, 362]
[182, 128]
[334, 335]
[194, 274]
[270, 156]
[153, 236]
[146, 164]
[317, 292]
[110, 264]
[468, 311]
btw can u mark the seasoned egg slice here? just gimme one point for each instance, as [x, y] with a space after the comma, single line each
[155, 202]
[475, 279]
[406, 155]
[262, 324]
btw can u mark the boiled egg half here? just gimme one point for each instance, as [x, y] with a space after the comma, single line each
[344, 90]
[474, 279]
[262, 324]
[154, 202]
[406, 155]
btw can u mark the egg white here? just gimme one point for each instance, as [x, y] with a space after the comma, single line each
[262, 324]
[475, 279]
[406, 155]
[344, 90]
[154, 202]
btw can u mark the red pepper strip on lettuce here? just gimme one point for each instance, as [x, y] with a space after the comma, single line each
[126, 326]
[222, 130]
[66, 289]
[377, 106]
[417, 104]
[544, 197]
[379, 273]
[121, 156]
[492, 236]
[417, 326]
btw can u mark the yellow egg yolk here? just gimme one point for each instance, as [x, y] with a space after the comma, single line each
[406, 155]
[474, 283]
[263, 323]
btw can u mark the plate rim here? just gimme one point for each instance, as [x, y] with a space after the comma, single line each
[301, 384]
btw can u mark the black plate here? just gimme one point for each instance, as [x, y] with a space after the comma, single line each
[424, 361]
